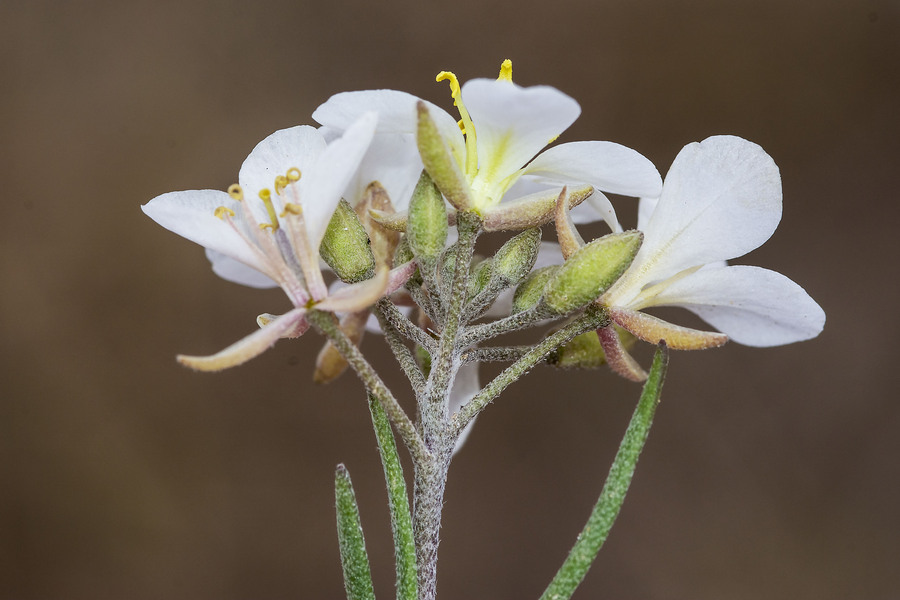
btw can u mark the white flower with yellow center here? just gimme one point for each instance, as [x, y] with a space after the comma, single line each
[267, 229]
[720, 200]
[496, 142]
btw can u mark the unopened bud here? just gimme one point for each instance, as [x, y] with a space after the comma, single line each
[581, 352]
[426, 228]
[514, 259]
[590, 271]
[345, 246]
[480, 277]
[530, 291]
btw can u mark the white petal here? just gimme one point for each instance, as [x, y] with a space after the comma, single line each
[646, 206]
[249, 347]
[754, 306]
[297, 147]
[237, 272]
[191, 215]
[607, 166]
[465, 386]
[513, 123]
[392, 160]
[721, 199]
[396, 114]
[322, 187]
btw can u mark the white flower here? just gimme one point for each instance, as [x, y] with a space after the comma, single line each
[267, 229]
[720, 200]
[503, 127]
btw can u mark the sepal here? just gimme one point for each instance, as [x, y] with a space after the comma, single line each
[438, 161]
[590, 271]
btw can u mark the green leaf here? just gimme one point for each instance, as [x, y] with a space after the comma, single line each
[354, 560]
[596, 530]
[398, 500]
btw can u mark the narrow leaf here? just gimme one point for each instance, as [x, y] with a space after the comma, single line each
[354, 560]
[596, 530]
[401, 519]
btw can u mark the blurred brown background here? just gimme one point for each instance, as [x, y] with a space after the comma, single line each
[769, 473]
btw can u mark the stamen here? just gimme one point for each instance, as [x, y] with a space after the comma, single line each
[281, 182]
[293, 174]
[505, 71]
[266, 196]
[291, 209]
[223, 212]
[465, 123]
[235, 191]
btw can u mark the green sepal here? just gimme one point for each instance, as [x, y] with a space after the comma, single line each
[345, 246]
[530, 291]
[354, 560]
[398, 502]
[438, 161]
[426, 227]
[598, 525]
[590, 271]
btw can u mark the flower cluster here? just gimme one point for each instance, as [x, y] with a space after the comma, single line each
[721, 199]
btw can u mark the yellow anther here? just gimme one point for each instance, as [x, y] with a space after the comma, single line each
[293, 174]
[223, 211]
[281, 182]
[292, 209]
[505, 71]
[454, 84]
[266, 196]
[235, 191]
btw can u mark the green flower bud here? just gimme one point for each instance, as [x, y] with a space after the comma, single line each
[529, 293]
[426, 228]
[581, 352]
[514, 259]
[480, 277]
[590, 271]
[403, 253]
[345, 247]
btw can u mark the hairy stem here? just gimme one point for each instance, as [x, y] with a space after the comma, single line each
[326, 323]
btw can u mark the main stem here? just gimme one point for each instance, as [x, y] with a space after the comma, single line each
[431, 474]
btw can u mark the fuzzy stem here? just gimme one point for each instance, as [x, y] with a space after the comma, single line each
[325, 322]
[431, 474]
[591, 319]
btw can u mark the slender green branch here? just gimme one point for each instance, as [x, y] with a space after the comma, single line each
[398, 501]
[597, 528]
[325, 322]
[591, 319]
[404, 326]
[496, 353]
[486, 331]
[401, 351]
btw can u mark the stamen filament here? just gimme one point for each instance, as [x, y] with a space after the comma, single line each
[468, 128]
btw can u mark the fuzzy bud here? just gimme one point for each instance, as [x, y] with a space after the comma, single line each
[345, 247]
[590, 271]
[426, 228]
